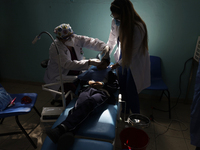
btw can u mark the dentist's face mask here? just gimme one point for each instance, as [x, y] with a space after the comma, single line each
[115, 17]
[117, 22]
[70, 41]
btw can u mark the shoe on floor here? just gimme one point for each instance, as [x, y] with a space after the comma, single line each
[65, 141]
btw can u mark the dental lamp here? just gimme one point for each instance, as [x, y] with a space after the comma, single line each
[50, 114]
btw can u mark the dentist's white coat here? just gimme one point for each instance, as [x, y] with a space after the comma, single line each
[52, 71]
[140, 64]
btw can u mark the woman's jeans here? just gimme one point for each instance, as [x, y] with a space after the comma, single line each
[128, 91]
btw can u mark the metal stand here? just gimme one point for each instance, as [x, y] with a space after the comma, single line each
[62, 93]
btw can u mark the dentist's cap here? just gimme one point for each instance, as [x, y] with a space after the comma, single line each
[63, 31]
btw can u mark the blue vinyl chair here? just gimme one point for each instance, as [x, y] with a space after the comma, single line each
[19, 109]
[80, 144]
[157, 82]
[98, 127]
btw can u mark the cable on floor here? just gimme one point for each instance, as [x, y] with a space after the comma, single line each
[168, 127]
[180, 82]
[179, 88]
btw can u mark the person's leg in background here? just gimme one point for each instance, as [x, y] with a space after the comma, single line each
[132, 94]
[122, 74]
[128, 91]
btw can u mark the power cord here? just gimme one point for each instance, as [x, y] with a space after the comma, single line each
[180, 82]
[167, 128]
[179, 88]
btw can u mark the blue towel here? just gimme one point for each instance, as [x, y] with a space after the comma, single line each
[5, 99]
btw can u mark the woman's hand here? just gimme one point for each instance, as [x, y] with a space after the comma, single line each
[94, 62]
[114, 66]
[104, 64]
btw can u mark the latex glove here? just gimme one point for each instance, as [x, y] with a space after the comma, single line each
[106, 53]
[94, 62]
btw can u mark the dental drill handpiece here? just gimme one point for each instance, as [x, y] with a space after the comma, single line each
[35, 39]
[38, 37]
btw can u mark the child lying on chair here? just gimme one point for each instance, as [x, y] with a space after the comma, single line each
[92, 97]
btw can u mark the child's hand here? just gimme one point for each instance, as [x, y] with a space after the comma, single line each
[96, 84]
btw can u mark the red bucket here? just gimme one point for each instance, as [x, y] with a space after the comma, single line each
[134, 139]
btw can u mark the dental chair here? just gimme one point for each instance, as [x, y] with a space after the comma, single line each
[96, 132]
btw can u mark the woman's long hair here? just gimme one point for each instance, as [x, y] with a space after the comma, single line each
[128, 19]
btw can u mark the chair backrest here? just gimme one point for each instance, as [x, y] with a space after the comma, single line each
[155, 67]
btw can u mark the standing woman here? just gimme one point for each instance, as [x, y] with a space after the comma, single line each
[129, 32]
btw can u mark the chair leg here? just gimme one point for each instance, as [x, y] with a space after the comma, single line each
[161, 95]
[26, 134]
[37, 111]
[2, 119]
[169, 104]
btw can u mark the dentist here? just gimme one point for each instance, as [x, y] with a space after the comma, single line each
[129, 33]
[71, 54]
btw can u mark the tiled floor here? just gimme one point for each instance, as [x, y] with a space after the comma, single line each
[164, 134]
